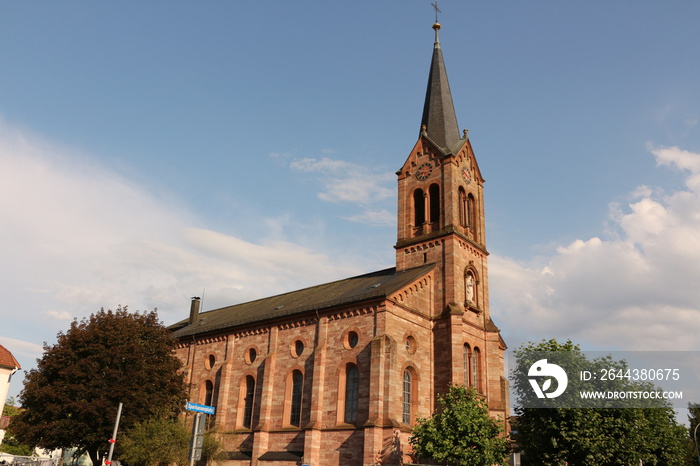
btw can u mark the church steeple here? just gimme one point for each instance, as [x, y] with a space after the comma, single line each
[441, 201]
[439, 117]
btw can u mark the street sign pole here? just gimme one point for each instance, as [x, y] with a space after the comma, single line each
[113, 440]
[197, 437]
[198, 428]
[193, 441]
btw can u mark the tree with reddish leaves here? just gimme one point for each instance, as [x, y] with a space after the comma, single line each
[70, 400]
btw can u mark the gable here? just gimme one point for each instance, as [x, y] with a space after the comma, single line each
[417, 296]
[465, 157]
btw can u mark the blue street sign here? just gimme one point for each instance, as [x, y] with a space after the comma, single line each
[200, 408]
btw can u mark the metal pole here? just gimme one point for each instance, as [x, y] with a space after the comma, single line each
[695, 436]
[113, 440]
[195, 429]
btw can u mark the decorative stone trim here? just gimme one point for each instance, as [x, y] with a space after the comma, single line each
[423, 246]
[251, 332]
[469, 247]
[403, 295]
[352, 313]
[201, 341]
[296, 324]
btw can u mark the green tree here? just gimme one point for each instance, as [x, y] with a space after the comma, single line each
[9, 408]
[694, 420]
[70, 400]
[601, 436]
[9, 443]
[162, 441]
[157, 441]
[460, 432]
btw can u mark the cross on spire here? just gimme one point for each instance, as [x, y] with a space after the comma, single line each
[437, 10]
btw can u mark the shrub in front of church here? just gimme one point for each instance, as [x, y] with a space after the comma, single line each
[461, 432]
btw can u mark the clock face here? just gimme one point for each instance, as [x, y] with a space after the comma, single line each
[424, 171]
[466, 175]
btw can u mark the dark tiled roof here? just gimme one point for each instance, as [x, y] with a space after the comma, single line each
[371, 286]
[7, 360]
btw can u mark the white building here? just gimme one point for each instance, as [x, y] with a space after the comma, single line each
[8, 366]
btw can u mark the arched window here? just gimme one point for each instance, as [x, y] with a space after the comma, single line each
[208, 392]
[471, 212]
[462, 207]
[434, 194]
[407, 394]
[295, 410]
[476, 362]
[418, 207]
[352, 393]
[248, 401]
[467, 355]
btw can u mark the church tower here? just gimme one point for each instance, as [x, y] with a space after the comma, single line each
[441, 222]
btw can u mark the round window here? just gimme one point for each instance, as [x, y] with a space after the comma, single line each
[410, 344]
[298, 348]
[211, 360]
[250, 356]
[353, 338]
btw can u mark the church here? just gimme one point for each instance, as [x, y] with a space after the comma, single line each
[336, 374]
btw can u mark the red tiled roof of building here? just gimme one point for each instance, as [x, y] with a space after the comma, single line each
[7, 360]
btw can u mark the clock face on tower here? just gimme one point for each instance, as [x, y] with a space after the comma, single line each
[424, 171]
[466, 175]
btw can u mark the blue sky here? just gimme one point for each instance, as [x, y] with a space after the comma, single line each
[151, 152]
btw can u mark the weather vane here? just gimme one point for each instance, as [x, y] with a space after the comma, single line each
[437, 10]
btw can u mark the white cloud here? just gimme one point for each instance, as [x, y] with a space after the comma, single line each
[76, 237]
[637, 289]
[324, 165]
[348, 182]
[58, 315]
[374, 217]
[21, 349]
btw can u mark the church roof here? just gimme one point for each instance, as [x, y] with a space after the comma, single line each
[439, 117]
[7, 360]
[371, 286]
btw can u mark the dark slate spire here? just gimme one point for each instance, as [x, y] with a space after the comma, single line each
[439, 116]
